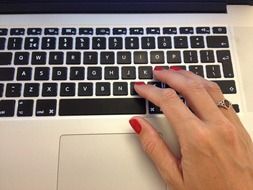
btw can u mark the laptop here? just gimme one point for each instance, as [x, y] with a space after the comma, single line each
[67, 70]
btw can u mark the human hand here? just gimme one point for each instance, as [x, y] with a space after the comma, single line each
[216, 150]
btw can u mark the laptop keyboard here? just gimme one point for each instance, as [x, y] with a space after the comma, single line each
[92, 71]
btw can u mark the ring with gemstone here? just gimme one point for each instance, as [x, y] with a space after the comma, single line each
[225, 104]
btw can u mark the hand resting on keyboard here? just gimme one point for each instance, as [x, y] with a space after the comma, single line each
[216, 150]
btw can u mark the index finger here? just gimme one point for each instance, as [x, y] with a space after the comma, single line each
[171, 105]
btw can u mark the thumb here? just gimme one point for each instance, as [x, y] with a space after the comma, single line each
[157, 150]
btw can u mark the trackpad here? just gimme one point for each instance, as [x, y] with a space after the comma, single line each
[111, 162]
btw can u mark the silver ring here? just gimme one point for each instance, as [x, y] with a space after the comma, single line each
[225, 104]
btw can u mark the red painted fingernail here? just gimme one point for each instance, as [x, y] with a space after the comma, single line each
[159, 68]
[135, 125]
[175, 68]
[139, 83]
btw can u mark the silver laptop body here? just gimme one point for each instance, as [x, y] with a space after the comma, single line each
[65, 138]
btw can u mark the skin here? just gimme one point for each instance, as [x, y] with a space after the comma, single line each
[217, 151]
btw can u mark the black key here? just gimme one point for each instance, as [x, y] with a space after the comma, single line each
[132, 43]
[31, 90]
[32, 43]
[34, 31]
[219, 30]
[3, 31]
[148, 43]
[102, 31]
[51, 31]
[7, 108]
[224, 57]
[59, 73]
[2, 43]
[21, 58]
[119, 31]
[217, 42]
[98, 43]
[7, 74]
[111, 73]
[186, 30]
[107, 58]
[1, 89]
[153, 109]
[86, 31]
[164, 42]
[65, 43]
[49, 90]
[39, 58]
[70, 107]
[132, 90]
[153, 30]
[94, 73]
[24, 74]
[213, 71]
[56, 58]
[124, 58]
[25, 108]
[103, 89]
[190, 57]
[46, 108]
[68, 89]
[90, 58]
[197, 41]
[5, 58]
[17, 31]
[236, 108]
[68, 31]
[157, 57]
[181, 42]
[48, 43]
[82, 43]
[13, 90]
[197, 70]
[203, 30]
[136, 31]
[73, 58]
[140, 57]
[120, 89]
[128, 73]
[115, 43]
[41, 73]
[85, 89]
[174, 57]
[145, 72]
[207, 56]
[77, 73]
[170, 30]
[227, 87]
[15, 43]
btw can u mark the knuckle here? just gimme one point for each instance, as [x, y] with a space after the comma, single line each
[150, 146]
[213, 87]
[195, 84]
[169, 94]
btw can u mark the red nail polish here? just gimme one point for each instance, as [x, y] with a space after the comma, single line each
[135, 125]
[176, 68]
[159, 68]
[139, 83]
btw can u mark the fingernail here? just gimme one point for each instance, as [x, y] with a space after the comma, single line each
[135, 125]
[159, 68]
[175, 68]
[139, 83]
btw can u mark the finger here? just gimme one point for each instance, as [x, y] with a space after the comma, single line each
[216, 94]
[157, 150]
[171, 105]
[193, 91]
